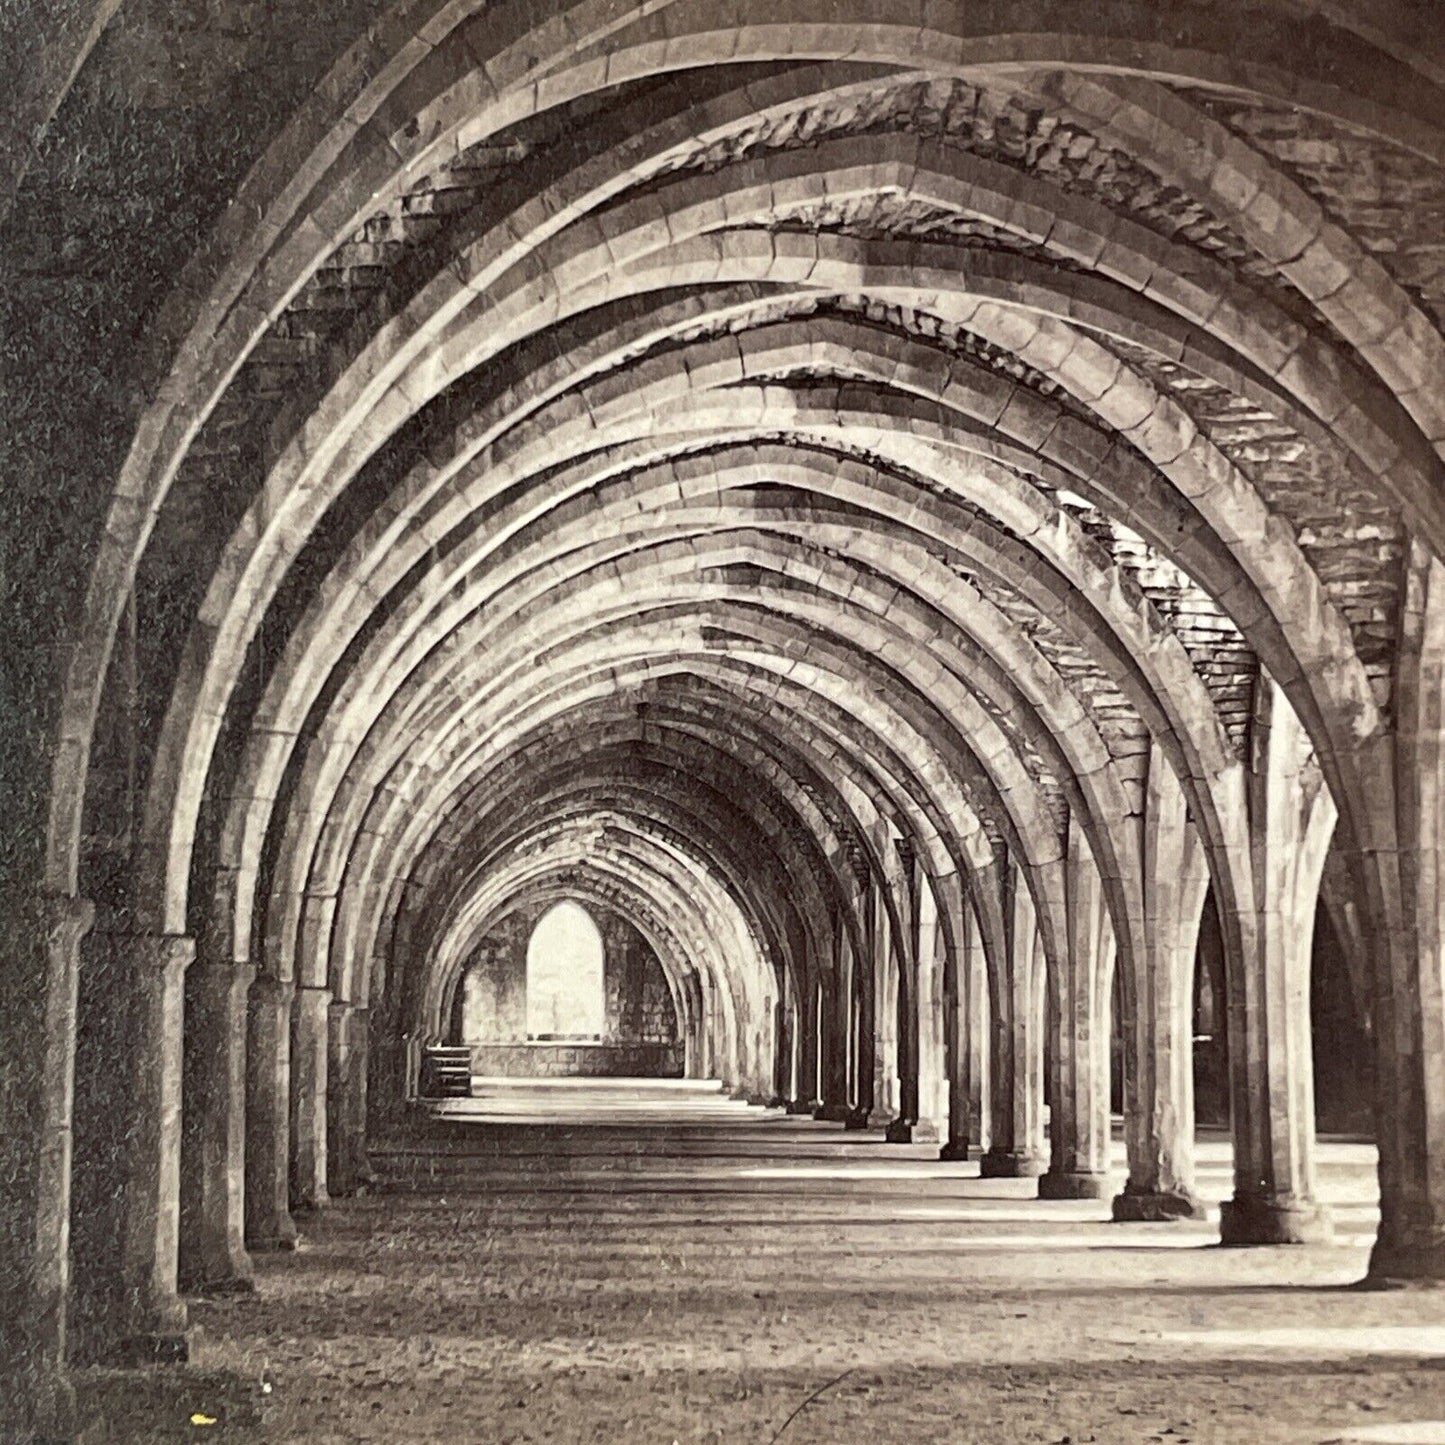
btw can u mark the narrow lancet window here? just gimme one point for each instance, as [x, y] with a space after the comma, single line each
[564, 976]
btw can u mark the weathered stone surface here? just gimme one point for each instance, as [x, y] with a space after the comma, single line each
[893, 509]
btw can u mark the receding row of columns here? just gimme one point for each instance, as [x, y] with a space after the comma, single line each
[933, 1044]
[213, 1105]
[215, 1102]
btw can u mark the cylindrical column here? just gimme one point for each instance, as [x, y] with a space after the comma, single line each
[309, 1046]
[805, 1084]
[269, 1224]
[1016, 1149]
[1409, 993]
[884, 1043]
[39, 973]
[340, 1146]
[834, 1106]
[933, 1079]
[1079, 1037]
[129, 1201]
[782, 1053]
[151, 1237]
[961, 1046]
[864, 984]
[908, 891]
[980, 1036]
[1292, 819]
[348, 1170]
[1159, 1037]
[213, 1256]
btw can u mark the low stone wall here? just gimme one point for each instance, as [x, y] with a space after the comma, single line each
[578, 1060]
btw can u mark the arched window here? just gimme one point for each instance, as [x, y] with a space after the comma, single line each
[564, 976]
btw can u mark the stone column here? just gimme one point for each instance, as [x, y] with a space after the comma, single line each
[692, 1067]
[834, 1105]
[213, 1256]
[864, 983]
[268, 1115]
[909, 964]
[885, 1017]
[1079, 1036]
[932, 1122]
[708, 1050]
[848, 1013]
[39, 975]
[959, 1045]
[309, 1046]
[1408, 938]
[1292, 819]
[348, 1171]
[760, 1095]
[805, 1085]
[128, 1217]
[980, 1036]
[1016, 1149]
[782, 1053]
[1159, 1036]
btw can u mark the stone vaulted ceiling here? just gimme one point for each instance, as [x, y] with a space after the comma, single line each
[684, 451]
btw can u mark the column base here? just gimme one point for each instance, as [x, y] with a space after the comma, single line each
[1006, 1164]
[1064, 1184]
[1250, 1220]
[954, 1151]
[857, 1119]
[926, 1131]
[899, 1131]
[831, 1113]
[1163, 1207]
[1407, 1258]
[800, 1106]
[878, 1119]
[280, 1238]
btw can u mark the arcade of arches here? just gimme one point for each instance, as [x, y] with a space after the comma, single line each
[928, 517]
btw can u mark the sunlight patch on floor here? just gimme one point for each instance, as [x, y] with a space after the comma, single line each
[1415, 1432]
[1422, 1340]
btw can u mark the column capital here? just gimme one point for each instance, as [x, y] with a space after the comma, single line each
[269, 986]
[240, 968]
[155, 952]
[66, 919]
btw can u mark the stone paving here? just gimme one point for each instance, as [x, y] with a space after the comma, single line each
[665, 1264]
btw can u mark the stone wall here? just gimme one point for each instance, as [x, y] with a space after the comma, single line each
[641, 1034]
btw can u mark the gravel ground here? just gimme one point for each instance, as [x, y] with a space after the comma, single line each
[706, 1282]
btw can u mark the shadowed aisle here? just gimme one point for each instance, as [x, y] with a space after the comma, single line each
[656, 1262]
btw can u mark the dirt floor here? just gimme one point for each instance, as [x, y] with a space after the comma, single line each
[733, 1274]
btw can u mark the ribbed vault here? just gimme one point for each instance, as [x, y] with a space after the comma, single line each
[849, 486]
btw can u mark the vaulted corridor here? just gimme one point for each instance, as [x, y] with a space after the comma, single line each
[867, 576]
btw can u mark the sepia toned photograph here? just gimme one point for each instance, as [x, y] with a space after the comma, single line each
[722, 722]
